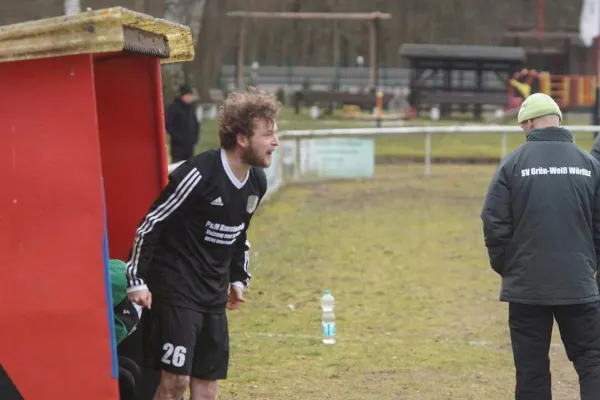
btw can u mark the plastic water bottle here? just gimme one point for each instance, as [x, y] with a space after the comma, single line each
[328, 319]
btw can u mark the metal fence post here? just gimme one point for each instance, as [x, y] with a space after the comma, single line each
[428, 154]
[297, 160]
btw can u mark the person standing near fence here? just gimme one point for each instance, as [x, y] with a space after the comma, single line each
[595, 151]
[541, 225]
[182, 124]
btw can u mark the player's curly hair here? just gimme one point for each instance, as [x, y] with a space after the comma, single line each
[240, 111]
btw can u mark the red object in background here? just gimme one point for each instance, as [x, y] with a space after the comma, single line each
[67, 124]
[514, 102]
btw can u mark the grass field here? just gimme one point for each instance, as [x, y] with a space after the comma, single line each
[467, 145]
[417, 307]
[484, 145]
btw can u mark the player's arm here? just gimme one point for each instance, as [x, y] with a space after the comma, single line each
[497, 220]
[238, 269]
[238, 272]
[239, 276]
[183, 183]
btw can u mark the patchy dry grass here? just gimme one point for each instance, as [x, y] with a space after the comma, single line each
[416, 302]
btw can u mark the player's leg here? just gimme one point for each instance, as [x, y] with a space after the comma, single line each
[126, 384]
[172, 386]
[530, 334]
[129, 375]
[579, 326]
[129, 365]
[170, 338]
[189, 151]
[203, 390]
[179, 151]
[211, 357]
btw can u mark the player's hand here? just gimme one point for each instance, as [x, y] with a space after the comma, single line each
[141, 297]
[236, 296]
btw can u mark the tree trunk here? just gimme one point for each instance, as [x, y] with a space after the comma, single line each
[210, 47]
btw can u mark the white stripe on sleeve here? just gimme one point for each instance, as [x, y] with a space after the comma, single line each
[182, 191]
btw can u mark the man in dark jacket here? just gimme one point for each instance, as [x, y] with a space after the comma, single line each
[596, 148]
[541, 222]
[182, 124]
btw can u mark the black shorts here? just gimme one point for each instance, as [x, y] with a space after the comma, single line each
[186, 342]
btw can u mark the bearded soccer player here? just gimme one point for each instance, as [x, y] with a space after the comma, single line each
[189, 261]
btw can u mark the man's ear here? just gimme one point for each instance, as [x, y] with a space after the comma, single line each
[242, 140]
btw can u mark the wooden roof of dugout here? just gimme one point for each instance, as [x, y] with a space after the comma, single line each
[462, 52]
[99, 31]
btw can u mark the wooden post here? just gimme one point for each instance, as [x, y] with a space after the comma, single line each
[336, 44]
[240, 55]
[374, 33]
[477, 108]
[336, 50]
[310, 15]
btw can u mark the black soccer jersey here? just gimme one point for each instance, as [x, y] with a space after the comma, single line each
[192, 243]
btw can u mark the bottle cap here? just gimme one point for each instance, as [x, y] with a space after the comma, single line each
[328, 292]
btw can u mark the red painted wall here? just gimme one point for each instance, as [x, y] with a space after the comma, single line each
[55, 338]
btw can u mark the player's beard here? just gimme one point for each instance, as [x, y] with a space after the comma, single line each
[252, 158]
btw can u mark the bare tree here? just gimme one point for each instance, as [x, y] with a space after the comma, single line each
[214, 38]
[189, 13]
[186, 12]
[273, 42]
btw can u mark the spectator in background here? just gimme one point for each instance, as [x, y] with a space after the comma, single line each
[541, 223]
[182, 124]
[596, 148]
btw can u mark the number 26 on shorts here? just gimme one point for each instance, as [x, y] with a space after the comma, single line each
[174, 355]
